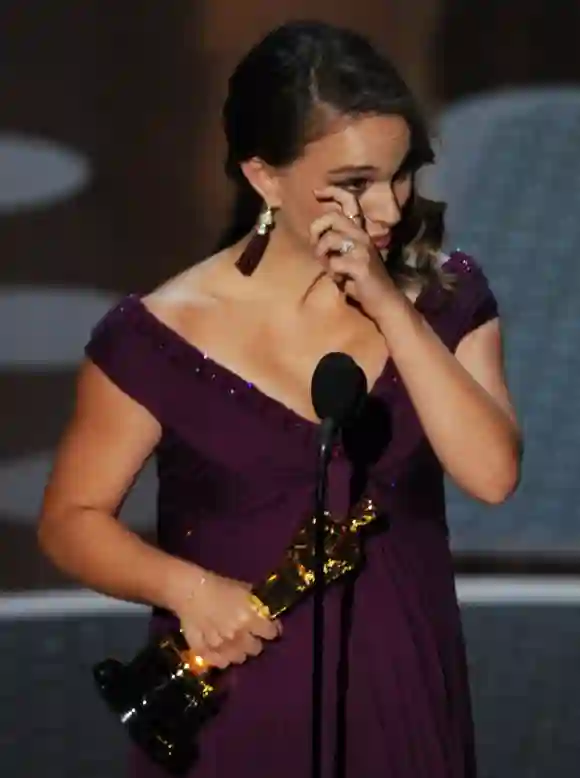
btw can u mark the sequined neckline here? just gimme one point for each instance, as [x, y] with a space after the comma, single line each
[231, 382]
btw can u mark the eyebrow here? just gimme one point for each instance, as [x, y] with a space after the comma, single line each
[353, 169]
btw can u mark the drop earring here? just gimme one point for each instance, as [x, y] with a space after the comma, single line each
[254, 251]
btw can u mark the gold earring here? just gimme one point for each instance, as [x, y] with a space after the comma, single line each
[266, 220]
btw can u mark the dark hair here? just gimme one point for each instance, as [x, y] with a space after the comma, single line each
[282, 95]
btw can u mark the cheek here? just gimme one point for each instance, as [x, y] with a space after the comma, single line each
[299, 206]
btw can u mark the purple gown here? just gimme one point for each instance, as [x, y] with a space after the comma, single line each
[236, 477]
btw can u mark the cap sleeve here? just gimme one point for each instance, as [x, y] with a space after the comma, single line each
[475, 302]
[120, 348]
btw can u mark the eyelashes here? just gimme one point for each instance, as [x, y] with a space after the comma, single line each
[359, 185]
[355, 185]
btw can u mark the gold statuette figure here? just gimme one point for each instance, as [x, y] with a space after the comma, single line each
[164, 695]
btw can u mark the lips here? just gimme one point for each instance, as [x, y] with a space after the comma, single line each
[381, 242]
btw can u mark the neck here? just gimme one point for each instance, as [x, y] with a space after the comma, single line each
[290, 274]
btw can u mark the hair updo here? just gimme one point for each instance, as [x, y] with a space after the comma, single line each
[282, 96]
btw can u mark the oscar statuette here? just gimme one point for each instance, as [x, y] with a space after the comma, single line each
[164, 695]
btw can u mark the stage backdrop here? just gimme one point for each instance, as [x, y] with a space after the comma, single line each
[110, 180]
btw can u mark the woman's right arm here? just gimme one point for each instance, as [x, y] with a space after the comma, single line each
[107, 442]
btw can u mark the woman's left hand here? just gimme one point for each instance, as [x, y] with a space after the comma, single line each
[347, 252]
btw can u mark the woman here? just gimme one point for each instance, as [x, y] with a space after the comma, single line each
[331, 249]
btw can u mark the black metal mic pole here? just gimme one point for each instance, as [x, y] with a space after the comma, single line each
[338, 388]
[327, 434]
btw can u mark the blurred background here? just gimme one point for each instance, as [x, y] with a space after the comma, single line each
[111, 180]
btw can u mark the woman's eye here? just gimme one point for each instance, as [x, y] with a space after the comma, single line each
[355, 184]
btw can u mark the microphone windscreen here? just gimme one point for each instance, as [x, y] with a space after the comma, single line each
[339, 387]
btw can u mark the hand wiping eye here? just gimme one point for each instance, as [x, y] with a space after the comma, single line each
[347, 252]
[342, 199]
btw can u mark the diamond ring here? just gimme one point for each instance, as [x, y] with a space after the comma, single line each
[347, 245]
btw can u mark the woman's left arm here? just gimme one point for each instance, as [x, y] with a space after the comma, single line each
[461, 399]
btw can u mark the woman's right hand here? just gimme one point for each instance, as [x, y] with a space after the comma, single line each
[221, 623]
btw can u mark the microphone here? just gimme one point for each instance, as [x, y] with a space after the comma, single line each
[338, 390]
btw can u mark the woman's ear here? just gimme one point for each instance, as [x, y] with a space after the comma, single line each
[263, 179]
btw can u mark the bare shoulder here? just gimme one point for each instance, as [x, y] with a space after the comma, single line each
[190, 296]
[114, 427]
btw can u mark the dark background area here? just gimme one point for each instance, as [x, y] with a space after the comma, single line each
[111, 180]
[135, 89]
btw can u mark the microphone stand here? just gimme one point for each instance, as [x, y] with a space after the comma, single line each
[328, 431]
